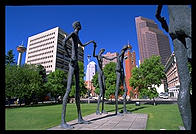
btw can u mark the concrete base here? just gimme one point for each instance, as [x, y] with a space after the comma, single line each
[110, 121]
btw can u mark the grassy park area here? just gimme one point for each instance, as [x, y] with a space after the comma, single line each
[163, 116]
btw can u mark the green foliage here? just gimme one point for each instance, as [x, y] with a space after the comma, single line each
[96, 83]
[23, 82]
[42, 72]
[56, 83]
[149, 74]
[9, 58]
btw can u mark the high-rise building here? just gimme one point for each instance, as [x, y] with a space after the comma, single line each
[90, 72]
[46, 49]
[151, 40]
[130, 63]
[109, 55]
[171, 71]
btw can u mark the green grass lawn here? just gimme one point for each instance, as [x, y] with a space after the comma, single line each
[164, 116]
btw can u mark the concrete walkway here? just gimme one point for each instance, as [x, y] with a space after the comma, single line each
[110, 121]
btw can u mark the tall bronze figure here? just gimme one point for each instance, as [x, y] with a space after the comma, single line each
[73, 70]
[120, 76]
[181, 33]
[101, 78]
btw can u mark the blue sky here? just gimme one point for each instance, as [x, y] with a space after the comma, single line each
[111, 26]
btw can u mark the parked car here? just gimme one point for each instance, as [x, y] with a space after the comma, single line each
[166, 96]
[161, 95]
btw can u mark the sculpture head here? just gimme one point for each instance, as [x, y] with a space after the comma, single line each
[125, 48]
[76, 25]
[102, 51]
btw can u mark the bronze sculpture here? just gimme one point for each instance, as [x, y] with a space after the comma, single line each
[73, 70]
[101, 78]
[121, 77]
[180, 32]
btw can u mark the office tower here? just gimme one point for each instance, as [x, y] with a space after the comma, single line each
[130, 63]
[46, 49]
[91, 70]
[171, 71]
[109, 55]
[151, 40]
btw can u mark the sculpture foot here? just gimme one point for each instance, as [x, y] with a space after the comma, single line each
[104, 112]
[126, 112]
[119, 114]
[98, 113]
[81, 121]
[66, 126]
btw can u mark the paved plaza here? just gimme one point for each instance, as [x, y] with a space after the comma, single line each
[110, 121]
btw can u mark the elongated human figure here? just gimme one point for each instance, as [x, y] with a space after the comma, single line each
[101, 78]
[73, 70]
[180, 32]
[120, 76]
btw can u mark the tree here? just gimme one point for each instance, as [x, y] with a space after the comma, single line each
[23, 82]
[10, 81]
[147, 76]
[9, 58]
[42, 72]
[96, 83]
[56, 83]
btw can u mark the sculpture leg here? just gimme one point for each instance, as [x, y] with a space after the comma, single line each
[116, 92]
[100, 94]
[125, 97]
[77, 96]
[69, 81]
[184, 78]
[103, 82]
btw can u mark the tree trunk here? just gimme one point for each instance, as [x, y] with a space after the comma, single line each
[154, 102]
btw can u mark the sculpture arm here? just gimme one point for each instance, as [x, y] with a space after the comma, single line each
[65, 45]
[109, 58]
[85, 43]
[94, 55]
[161, 19]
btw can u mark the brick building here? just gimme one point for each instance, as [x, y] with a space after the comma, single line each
[130, 63]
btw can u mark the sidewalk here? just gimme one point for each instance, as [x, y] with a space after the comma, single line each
[110, 121]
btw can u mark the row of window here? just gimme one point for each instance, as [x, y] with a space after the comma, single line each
[42, 36]
[42, 45]
[42, 41]
[44, 62]
[41, 49]
[171, 70]
[49, 66]
[40, 54]
[40, 58]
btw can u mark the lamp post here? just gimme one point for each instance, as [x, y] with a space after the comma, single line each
[89, 78]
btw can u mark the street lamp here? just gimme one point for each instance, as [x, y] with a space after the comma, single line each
[89, 77]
